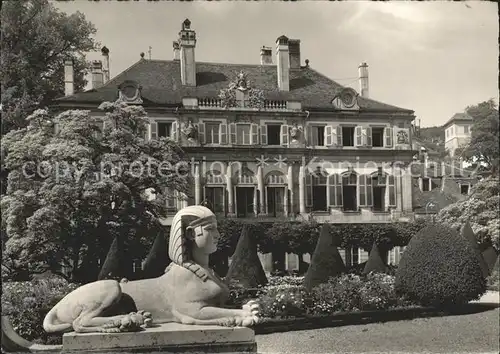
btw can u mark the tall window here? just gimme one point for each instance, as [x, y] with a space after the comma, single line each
[214, 191]
[317, 135]
[214, 196]
[466, 129]
[349, 191]
[273, 134]
[164, 129]
[243, 134]
[379, 189]
[212, 130]
[347, 136]
[377, 137]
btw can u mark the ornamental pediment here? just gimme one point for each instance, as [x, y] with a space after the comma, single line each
[240, 93]
[346, 98]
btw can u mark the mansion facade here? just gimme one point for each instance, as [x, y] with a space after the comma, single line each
[268, 141]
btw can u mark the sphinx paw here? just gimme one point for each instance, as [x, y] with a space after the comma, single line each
[252, 308]
[134, 321]
[247, 321]
[228, 322]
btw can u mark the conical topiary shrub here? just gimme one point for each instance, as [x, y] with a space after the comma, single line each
[490, 257]
[375, 263]
[157, 259]
[114, 265]
[467, 232]
[326, 261]
[440, 267]
[246, 269]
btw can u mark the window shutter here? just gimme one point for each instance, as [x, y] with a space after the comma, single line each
[328, 136]
[308, 190]
[284, 135]
[388, 137]
[309, 132]
[332, 189]
[201, 133]
[223, 134]
[338, 187]
[173, 133]
[368, 136]
[255, 134]
[362, 190]
[358, 136]
[153, 130]
[392, 191]
[339, 136]
[232, 133]
[263, 134]
[369, 191]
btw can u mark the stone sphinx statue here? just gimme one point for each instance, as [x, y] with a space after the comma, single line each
[189, 292]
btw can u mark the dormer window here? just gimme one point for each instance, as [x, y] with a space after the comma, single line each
[130, 92]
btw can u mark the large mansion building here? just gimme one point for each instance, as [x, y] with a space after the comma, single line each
[274, 140]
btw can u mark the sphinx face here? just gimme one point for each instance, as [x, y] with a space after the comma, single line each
[207, 237]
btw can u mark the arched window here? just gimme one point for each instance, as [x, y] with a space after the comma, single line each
[316, 190]
[246, 176]
[380, 191]
[335, 190]
[215, 177]
[349, 191]
[276, 177]
[276, 193]
[214, 191]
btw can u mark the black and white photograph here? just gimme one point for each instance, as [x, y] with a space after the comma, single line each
[268, 177]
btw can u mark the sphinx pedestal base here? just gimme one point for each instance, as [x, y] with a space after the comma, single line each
[165, 338]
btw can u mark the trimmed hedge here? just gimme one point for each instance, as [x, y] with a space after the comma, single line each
[326, 261]
[440, 267]
[246, 269]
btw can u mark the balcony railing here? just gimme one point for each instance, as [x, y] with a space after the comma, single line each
[217, 103]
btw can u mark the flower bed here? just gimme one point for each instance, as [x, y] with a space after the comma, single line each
[283, 299]
[27, 303]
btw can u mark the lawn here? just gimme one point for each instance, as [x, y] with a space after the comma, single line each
[473, 333]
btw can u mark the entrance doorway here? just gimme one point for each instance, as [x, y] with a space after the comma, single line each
[244, 201]
[275, 201]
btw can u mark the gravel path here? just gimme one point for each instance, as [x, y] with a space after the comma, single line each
[474, 333]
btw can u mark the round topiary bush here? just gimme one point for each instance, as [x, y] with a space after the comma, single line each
[440, 268]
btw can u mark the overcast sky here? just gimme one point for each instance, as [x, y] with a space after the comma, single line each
[435, 58]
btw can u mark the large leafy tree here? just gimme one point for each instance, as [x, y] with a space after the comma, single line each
[481, 209]
[36, 40]
[71, 192]
[483, 148]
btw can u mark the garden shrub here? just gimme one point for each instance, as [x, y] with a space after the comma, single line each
[326, 261]
[114, 265]
[27, 303]
[375, 263]
[440, 267]
[157, 259]
[490, 257]
[467, 232]
[246, 268]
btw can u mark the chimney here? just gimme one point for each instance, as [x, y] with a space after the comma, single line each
[97, 74]
[187, 43]
[177, 50]
[294, 49]
[266, 56]
[283, 63]
[105, 63]
[363, 80]
[69, 82]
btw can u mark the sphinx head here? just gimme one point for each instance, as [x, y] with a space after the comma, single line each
[193, 230]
